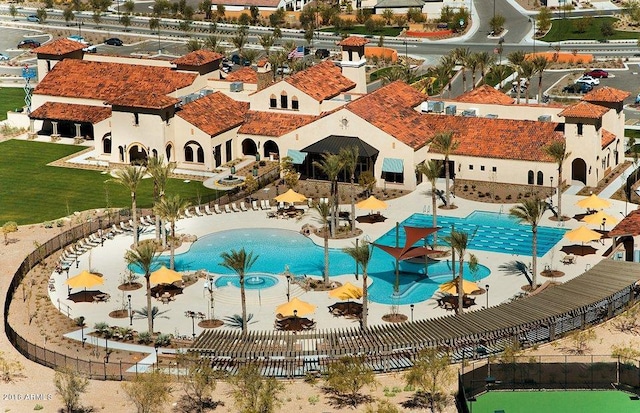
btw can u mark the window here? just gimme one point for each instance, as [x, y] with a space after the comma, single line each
[540, 180]
[106, 145]
[200, 154]
[227, 148]
[273, 102]
[168, 150]
[471, 167]
[294, 103]
[530, 177]
[393, 177]
[188, 153]
[284, 102]
[579, 125]
[494, 169]
[482, 168]
[136, 119]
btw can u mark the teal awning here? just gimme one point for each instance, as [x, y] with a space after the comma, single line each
[393, 165]
[297, 156]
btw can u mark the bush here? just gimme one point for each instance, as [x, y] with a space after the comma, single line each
[163, 340]
[101, 328]
[144, 337]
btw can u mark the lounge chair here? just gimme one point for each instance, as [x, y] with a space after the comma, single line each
[187, 213]
[243, 207]
[267, 204]
[116, 230]
[151, 220]
[254, 205]
[207, 210]
[227, 209]
[125, 228]
[569, 259]
[310, 202]
[216, 208]
[198, 212]
[234, 208]
[263, 204]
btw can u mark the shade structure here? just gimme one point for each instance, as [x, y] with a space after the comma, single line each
[451, 287]
[295, 307]
[582, 234]
[372, 203]
[84, 280]
[165, 276]
[291, 197]
[346, 292]
[599, 217]
[593, 202]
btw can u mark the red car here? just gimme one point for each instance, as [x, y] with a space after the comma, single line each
[599, 73]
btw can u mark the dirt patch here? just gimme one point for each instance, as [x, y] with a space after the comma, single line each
[119, 314]
[552, 273]
[394, 318]
[498, 193]
[129, 286]
[211, 323]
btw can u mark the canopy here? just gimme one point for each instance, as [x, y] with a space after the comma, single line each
[371, 203]
[300, 307]
[290, 197]
[599, 217]
[582, 234]
[593, 202]
[413, 235]
[393, 165]
[346, 291]
[164, 276]
[84, 279]
[297, 157]
[451, 287]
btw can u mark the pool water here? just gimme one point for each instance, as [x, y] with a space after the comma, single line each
[488, 231]
[251, 282]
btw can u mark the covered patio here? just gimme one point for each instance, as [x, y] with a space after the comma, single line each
[69, 120]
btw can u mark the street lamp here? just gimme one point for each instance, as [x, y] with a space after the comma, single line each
[68, 288]
[155, 347]
[193, 315]
[486, 287]
[412, 312]
[288, 287]
[130, 312]
[82, 331]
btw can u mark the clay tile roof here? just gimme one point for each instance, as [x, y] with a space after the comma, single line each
[485, 94]
[246, 75]
[391, 109]
[354, 41]
[606, 94]
[135, 99]
[607, 138]
[71, 112]
[630, 225]
[214, 114]
[198, 58]
[273, 124]
[107, 81]
[322, 81]
[59, 47]
[584, 110]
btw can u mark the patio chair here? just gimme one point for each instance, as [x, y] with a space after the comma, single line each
[125, 228]
[234, 207]
[568, 259]
[207, 210]
[150, 220]
[216, 208]
[254, 205]
[262, 204]
[187, 213]
[267, 204]
[243, 207]
[198, 212]
[227, 209]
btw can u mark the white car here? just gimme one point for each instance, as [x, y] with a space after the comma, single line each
[4, 57]
[593, 81]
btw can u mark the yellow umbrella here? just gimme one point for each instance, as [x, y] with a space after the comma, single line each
[451, 287]
[599, 217]
[346, 291]
[165, 276]
[295, 307]
[290, 197]
[84, 279]
[593, 202]
[582, 234]
[372, 203]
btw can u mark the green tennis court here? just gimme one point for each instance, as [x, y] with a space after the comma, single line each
[554, 402]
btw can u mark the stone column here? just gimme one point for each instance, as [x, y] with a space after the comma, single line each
[32, 130]
[78, 133]
[55, 136]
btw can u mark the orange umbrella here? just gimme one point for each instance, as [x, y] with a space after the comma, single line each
[165, 276]
[593, 202]
[346, 291]
[372, 203]
[295, 307]
[84, 279]
[583, 234]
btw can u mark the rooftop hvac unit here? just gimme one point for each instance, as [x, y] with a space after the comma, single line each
[347, 97]
[544, 118]
[438, 107]
[450, 110]
[205, 92]
[470, 113]
[237, 86]
[491, 116]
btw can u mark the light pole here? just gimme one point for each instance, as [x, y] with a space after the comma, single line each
[412, 312]
[288, 287]
[551, 185]
[155, 347]
[130, 312]
[68, 288]
[193, 315]
[486, 287]
[82, 331]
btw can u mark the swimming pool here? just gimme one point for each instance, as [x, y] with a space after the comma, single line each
[491, 232]
[251, 282]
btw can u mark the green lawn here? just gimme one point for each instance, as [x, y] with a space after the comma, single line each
[564, 29]
[31, 191]
[10, 99]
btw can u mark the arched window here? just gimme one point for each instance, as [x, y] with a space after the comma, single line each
[273, 101]
[154, 153]
[188, 154]
[284, 101]
[294, 103]
[540, 180]
[200, 154]
[121, 153]
[106, 145]
[168, 151]
[530, 178]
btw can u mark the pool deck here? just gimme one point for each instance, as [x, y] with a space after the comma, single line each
[108, 259]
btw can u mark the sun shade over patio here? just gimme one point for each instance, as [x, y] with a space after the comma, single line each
[84, 279]
[295, 307]
[593, 202]
[393, 165]
[165, 276]
[297, 157]
[334, 143]
[413, 235]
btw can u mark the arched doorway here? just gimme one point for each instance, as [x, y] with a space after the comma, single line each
[169, 152]
[137, 154]
[106, 143]
[271, 148]
[579, 170]
[249, 147]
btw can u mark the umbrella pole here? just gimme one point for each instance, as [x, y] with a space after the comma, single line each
[426, 259]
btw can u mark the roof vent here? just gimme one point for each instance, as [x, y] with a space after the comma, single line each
[544, 118]
[450, 110]
[237, 86]
[491, 116]
[347, 97]
[470, 113]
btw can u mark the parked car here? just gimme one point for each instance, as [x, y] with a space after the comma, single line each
[589, 80]
[597, 73]
[578, 88]
[4, 57]
[237, 60]
[114, 41]
[90, 49]
[78, 39]
[283, 70]
[33, 18]
[28, 44]
[322, 53]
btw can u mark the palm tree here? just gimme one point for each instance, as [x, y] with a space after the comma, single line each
[527, 70]
[324, 211]
[447, 63]
[130, 177]
[515, 60]
[540, 63]
[473, 63]
[213, 43]
[171, 209]
[558, 151]
[444, 143]
[431, 170]
[277, 59]
[331, 165]
[530, 211]
[241, 263]
[485, 61]
[461, 55]
[459, 241]
[239, 41]
[160, 172]
[251, 55]
[350, 160]
[362, 255]
[142, 256]
[500, 71]
[266, 41]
